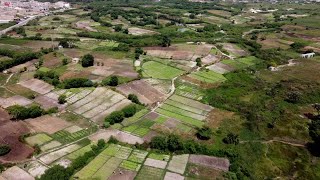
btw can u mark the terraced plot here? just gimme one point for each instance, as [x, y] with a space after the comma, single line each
[37, 85]
[178, 163]
[138, 156]
[66, 137]
[208, 76]
[146, 172]
[158, 70]
[140, 128]
[38, 139]
[100, 103]
[53, 156]
[79, 152]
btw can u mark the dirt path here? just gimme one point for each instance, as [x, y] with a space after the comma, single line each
[274, 140]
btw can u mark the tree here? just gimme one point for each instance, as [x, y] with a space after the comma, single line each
[126, 31]
[57, 172]
[118, 28]
[199, 63]
[64, 61]
[62, 99]
[231, 139]
[114, 81]
[314, 132]
[115, 117]
[204, 133]
[129, 110]
[192, 16]
[166, 41]
[159, 142]
[87, 60]
[134, 98]
[64, 43]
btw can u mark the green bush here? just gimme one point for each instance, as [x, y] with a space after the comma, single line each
[87, 60]
[129, 110]
[62, 99]
[204, 133]
[21, 112]
[4, 149]
[115, 117]
[134, 98]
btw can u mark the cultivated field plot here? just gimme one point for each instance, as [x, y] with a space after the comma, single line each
[146, 172]
[210, 161]
[15, 173]
[173, 176]
[186, 110]
[178, 163]
[119, 135]
[209, 59]
[220, 13]
[64, 136]
[50, 145]
[107, 162]
[47, 124]
[14, 100]
[241, 63]
[188, 90]
[38, 139]
[37, 85]
[100, 103]
[158, 70]
[145, 92]
[72, 95]
[10, 134]
[35, 169]
[139, 31]
[140, 128]
[47, 103]
[134, 118]
[234, 50]
[207, 76]
[220, 68]
[86, 25]
[79, 152]
[55, 155]
[29, 65]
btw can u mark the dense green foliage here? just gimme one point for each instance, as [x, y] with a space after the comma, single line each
[134, 98]
[4, 149]
[62, 99]
[118, 116]
[87, 60]
[21, 112]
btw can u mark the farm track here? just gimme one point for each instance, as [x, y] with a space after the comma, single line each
[277, 141]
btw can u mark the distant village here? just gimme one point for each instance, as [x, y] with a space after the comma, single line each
[17, 10]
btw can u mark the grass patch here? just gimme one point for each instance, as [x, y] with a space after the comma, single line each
[158, 70]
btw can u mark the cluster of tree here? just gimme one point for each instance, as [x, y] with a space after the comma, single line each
[19, 58]
[22, 112]
[77, 83]
[134, 98]
[20, 30]
[121, 47]
[118, 116]
[138, 51]
[314, 132]
[112, 81]
[50, 77]
[204, 133]
[61, 173]
[62, 99]
[4, 149]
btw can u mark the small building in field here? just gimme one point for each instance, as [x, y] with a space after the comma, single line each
[308, 55]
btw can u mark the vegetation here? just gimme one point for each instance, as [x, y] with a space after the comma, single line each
[62, 99]
[87, 60]
[4, 149]
[21, 112]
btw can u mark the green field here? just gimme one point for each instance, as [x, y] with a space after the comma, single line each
[38, 139]
[146, 172]
[208, 76]
[130, 165]
[158, 70]
[66, 137]
[138, 156]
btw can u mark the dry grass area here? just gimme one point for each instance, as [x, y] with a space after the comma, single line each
[138, 31]
[47, 124]
[210, 161]
[216, 116]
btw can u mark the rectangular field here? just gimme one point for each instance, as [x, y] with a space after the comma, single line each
[208, 76]
[158, 70]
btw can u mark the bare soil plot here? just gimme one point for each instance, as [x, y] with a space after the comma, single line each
[50, 145]
[139, 31]
[74, 53]
[21, 90]
[234, 49]
[47, 124]
[149, 136]
[10, 133]
[37, 45]
[178, 163]
[14, 100]
[209, 59]
[47, 103]
[85, 25]
[119, 135]
[210, 161]
[37, 85]
[51, 61]
[173, 176]
[216, 116]
[155, 163]
[123, 174]
[163, 86]
[73, 129]
[145, 92]
[16, 173]
[29, 65]
[195, 171]
[151, 116]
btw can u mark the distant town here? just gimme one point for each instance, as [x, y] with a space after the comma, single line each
[18, 10]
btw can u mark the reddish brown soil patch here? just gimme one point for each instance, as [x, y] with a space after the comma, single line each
[10, 131]
[216, 116]
[122, 174]
[147, 138]
[37, 45]
[303, 36]
[73, 74]
[198, 82]
[48, 103]
[51, 61]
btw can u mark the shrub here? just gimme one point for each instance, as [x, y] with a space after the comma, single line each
[115, 117]
[129, 110]
[114, 81]
[62, 99]
[134, 98]
[87, 60]
[21, 112]
[4, 149]
[204, 133]
[231, 139]
[77, 82]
